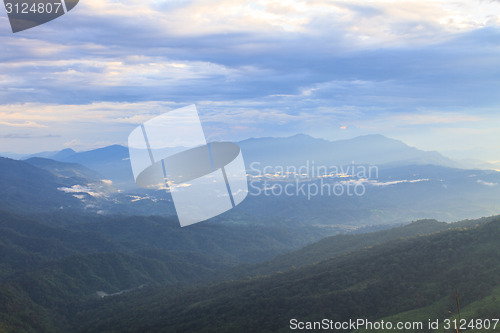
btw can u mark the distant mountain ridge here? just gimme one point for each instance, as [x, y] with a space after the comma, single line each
[373, 149]
[56, 154]
[113, 161]
[410, 184]
[369, 149]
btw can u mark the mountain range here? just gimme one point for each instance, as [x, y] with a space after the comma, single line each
[83, 250]
[113, 161]
[408, 184]
[413, 279]
[118, 274]
[369, 149]
[51, 262]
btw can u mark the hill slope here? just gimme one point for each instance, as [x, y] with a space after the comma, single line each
[372, 283]
[52, 262]
[24, 187]
[338, 245]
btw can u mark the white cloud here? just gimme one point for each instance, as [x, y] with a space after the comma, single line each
[255, 68]
[25, 124]
[25, 114]
[395, 182]
[80, 189]
[359, 22]
[490, 184]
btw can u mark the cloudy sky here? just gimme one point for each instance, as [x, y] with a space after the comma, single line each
[425, 72]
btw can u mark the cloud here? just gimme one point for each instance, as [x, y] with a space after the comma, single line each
[490, 184]
[368, 23]
[205, 50]
[28, 136]
[262, 67]
[26, 124]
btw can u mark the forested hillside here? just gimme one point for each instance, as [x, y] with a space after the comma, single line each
[419, 273]
[52, 262]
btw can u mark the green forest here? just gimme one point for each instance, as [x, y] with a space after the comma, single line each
[124, 274]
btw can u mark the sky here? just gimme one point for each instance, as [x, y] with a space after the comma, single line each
[424, 72]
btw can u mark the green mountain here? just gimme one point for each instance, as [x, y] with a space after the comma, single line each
[50, 263]
[342, 244]
[65, 271]
[26, 188]
[412, 278]
[86, 273]
[65, 170]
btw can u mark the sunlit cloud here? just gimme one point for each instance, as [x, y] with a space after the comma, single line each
[26, 124]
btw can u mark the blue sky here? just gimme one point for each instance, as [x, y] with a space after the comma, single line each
[425, 72]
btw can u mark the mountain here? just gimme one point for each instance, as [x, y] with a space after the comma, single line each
[256, 266]
[368, 149]
[65, 153]
[52, 263]
[412, 278]
[70, 268]
[79, 273]
[24, 187]
[395, 192]
[109, 154]
[294, 150]
[14, 156]
[44, 185]
[338, 245]
[392, 194]
[52, 154]
[111, 162]
[64, 170]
